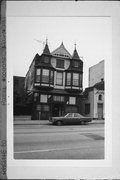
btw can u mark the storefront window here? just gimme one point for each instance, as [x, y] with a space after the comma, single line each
[72, 100]
[43, 98]
[58, 98]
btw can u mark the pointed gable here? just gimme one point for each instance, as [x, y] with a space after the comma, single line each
[75, 55]
[61, 51]
[46, 50]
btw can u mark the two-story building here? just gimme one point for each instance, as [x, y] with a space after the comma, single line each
[54, 83]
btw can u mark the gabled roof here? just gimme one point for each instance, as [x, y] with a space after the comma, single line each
[75, 55]
[46, 50]
[61, 51]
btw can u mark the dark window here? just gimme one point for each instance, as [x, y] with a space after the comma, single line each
[51, 77]
[87, 108]
[100, 97]
[58, 98]
[60, 63]
[76, 64]
[36, 95]
[80, 80]
[37, 75]
[46, 59]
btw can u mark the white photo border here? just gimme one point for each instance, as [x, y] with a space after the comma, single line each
[52, 169]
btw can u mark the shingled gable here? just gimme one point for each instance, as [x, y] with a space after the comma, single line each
[62, 52]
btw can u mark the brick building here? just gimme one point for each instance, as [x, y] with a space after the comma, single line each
[20, 99]
[53, 83]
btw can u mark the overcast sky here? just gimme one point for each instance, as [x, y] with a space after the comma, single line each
[26, 34]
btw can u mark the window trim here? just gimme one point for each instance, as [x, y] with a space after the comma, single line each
[56, 78]
[58, 60]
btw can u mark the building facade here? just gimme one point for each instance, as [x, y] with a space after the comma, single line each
[93, 101]
[20, 100]
[53, 83]
[96, 73]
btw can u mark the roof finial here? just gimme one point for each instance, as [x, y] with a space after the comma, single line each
[75, 45]
[46, 39]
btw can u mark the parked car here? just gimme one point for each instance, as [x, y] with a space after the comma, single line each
[70, 118]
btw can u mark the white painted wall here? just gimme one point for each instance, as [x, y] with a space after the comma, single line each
[96, 73]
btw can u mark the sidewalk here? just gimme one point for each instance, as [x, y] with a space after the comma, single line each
[43, 122]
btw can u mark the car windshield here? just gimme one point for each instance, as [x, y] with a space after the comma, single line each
[76, 115]
[69, 115]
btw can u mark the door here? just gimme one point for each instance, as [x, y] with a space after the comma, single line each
[100, 110]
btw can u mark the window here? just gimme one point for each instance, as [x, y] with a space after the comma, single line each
[37, 75]
[58, 98]
[59, 78]
[46, 59]
[36, 96]
[45, 76]
[51, 77]
[80, 80]
[87, 108]
[100, 97]
[69, 115]
[43, 98]
[68, 78]
[75, 79]
[72, 100]
[60, 63]
[75, 64]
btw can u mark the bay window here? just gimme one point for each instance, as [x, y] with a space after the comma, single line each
[38, 75]
[45, 76]
[51, 77]
[68, 79]
[75, 79]
[59, 78]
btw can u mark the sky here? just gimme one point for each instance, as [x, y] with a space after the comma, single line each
[26, 35]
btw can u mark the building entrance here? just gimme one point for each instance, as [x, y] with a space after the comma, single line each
[58, 110]
[100, 110]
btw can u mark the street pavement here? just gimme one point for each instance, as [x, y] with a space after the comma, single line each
[42, 140]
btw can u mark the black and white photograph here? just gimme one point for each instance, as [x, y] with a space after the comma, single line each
[58, 86]
[60, 72]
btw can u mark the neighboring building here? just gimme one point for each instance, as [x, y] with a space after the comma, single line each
[93, 101]
[19, 96]
[54, 83]
[96, 73]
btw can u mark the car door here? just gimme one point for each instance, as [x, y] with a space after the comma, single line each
[76, 118]
[68, 118]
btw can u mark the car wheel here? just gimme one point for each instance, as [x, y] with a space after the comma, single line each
[59, 123]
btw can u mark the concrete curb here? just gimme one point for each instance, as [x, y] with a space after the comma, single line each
[45, 122]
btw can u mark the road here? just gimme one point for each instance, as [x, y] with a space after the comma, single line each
[45, 141]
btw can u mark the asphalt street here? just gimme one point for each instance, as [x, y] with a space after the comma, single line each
[46, 141]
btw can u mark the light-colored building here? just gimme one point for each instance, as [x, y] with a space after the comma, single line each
[93, 101]
[96, 73]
